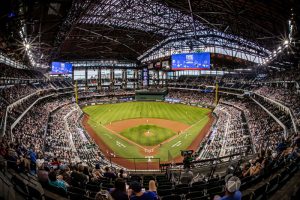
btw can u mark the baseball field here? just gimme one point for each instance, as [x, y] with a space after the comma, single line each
[146, 129]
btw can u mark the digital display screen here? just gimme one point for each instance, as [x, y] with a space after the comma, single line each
[61, 68]
[191, 61]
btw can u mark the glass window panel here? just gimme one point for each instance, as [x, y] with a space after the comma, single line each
[79, 74]
[92, 74]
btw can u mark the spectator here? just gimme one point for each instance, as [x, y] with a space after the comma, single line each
[42, 174]
[136, 192]
[32, 156]
[103, 195]
[122, 174]
[11, 152]
[232, 186]
[153, 188]
[108, 173]
[255, 169]
[66, 174]
[97, 173]
[55, 163]
[78, 178]
[86, 172]
[56, 183]
[119, 192]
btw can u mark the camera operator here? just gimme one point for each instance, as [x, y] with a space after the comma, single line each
[187, 160]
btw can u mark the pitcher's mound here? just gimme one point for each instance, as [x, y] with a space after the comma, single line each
[148, 133]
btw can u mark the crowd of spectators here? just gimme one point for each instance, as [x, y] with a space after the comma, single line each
[192, 81]
[105, 96]
[15, 92]
[118, 92]
[264, 130]
[288, 75]
[276, 110]
[64, 156]
[86, 149]
[286, 95]
[270, 159]
[11, 72]
[17, 98]
[58, 141]
[3, 105]
[32, 126]
[191, 97]
[229, 136]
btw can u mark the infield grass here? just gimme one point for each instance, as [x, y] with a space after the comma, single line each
[100, 115]
[148, 135]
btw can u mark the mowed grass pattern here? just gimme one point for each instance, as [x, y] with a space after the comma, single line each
[107, 113]
[140, 135]
[103, 114]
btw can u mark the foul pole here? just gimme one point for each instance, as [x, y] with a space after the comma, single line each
[216, 93]
[76, 92]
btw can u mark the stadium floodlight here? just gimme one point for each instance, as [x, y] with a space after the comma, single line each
[27, 46]
[279, 49]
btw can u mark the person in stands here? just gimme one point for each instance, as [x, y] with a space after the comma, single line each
[122, 174]
[53, 181]
[97, 173]
[153, 188]
[108, 173]
[232, 186]
[136, 193]
[119, 192]
[32, 156]
[78, 178]
[103, 195]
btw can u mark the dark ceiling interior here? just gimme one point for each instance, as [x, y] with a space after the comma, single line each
[262, 21]
[57, 31]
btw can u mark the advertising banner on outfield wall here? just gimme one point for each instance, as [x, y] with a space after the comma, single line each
[172, 100]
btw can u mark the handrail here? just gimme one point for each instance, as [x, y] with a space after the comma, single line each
[275, 118]
[285, 108]
[24, 113]
[200, 161]
[12, 105]
[26, 97]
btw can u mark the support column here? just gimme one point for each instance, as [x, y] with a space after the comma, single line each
[99, 80]
[135, 78]
[86, 75]
[112, 79]
[124, 78]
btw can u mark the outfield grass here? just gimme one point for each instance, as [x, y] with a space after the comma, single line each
[100, 115]
[155, 136]
[114, 112]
